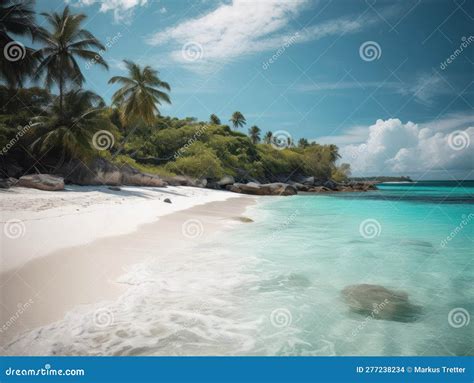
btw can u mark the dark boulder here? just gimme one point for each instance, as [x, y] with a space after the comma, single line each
[46, 182]
[102, 172]
[6, 183]
[226, 180]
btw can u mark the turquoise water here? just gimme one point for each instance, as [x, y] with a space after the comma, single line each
[307, 248]
[273, 287]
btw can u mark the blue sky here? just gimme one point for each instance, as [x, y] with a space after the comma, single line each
[320, 84]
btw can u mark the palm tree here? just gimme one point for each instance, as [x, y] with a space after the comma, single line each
[16, 18]
[333, 152]
[268, 137]
[238, 120]
[140, 93]
[66, 41]
[68, 130]
[213, 119]
[254, 133]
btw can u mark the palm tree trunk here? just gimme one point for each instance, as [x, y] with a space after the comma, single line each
[61, 85]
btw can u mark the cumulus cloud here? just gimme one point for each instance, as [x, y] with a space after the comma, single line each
[121, 9]
[244, 27]
[393, 147]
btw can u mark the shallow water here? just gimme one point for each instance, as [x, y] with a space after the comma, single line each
[273, 287]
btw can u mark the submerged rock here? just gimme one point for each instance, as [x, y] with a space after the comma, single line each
[379, 302]
[114, 188]
[46, 182]
[244, 219]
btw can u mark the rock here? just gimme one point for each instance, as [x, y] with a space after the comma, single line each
[132, 177]
[254, 188]
[6, 183]
[308, 181]
[330, 184]
[300, 187]
[180, 181]
[379, 302]
[46, 182]
[98, 172]
[244, 219]
[12, 169]
[226, 180]
[114, 188]
[201, 183]
[167, 200]
[319, 189]
[102, 172]
[248, 188]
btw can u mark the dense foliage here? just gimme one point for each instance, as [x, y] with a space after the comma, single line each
[40, 131]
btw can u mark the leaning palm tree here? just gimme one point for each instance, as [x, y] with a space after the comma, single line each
[268, 137]
[65, 42]
[238, 120]
[254, 133]
[333, 152]
[17, 18]
[68, 130]
[140, 93]
[214, 120]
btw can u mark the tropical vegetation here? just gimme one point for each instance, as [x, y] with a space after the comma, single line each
[42, 128]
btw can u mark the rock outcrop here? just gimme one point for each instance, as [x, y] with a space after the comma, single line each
[102, 172]
[226, 180]
[379, 302]
[46, 182]
[254, 188]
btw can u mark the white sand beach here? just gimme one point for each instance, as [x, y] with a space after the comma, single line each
[64, 249]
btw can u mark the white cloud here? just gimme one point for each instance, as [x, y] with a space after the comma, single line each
[122, 9]
[396, 148]
[244, 27]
